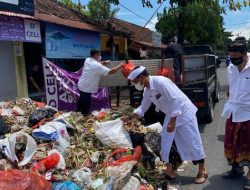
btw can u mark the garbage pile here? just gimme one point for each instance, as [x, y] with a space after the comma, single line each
[42, 148]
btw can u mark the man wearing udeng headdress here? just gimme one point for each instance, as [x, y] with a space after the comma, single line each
[237, 112]
[180, 122]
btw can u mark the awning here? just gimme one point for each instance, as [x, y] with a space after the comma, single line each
[67, 22]
[6, 13]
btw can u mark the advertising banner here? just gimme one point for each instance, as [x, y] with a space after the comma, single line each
[68, 43]
[18, 29]
[62, 91]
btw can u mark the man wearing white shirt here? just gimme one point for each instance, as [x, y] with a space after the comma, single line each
[180, 122]
[89, 80]
[237, 112]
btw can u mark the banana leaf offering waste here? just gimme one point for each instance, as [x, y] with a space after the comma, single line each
[81, 158]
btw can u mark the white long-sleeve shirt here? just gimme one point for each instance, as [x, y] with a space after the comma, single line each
[91, 74]
[168, 98]
[238, 104]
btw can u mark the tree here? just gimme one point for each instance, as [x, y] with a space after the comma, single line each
[203, 23]
[101, 9]
[233, 4]
[77, 6]
[181, 7]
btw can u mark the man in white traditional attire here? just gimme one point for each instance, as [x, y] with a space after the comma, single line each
[180, 122]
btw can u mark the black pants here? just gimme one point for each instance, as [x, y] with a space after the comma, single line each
[84, 103]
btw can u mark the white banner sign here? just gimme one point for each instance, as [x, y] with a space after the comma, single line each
[32, 31]
[156, 38]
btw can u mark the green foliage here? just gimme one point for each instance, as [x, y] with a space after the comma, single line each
[97, 9]
[101, 9]
[77, 6]
[233, 4]
[203, 23]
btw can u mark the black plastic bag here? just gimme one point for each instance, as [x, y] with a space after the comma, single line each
[4, 128]
[40, 114]
[153, 139]
[137, 139]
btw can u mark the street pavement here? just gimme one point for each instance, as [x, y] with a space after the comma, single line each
[212, 137]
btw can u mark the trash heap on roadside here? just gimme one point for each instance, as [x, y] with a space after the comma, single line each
[42, 148]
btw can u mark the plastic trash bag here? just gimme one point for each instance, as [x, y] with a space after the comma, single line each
[23, 180]
[51, 131]
[61, 145]
[46, 132]
[121, 174]
[132, 184]
[83, 176]
[112, 134]
[40, 114]
[54, 160]
[153, 140]
[136, 156]
[67, 185]
[127, 68]
[10, 145]
[156, 127]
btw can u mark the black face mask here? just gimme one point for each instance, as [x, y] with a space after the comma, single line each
[236, 61]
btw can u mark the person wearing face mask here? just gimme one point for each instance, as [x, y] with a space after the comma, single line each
[237, 112]
[89, 80]
[180, 123]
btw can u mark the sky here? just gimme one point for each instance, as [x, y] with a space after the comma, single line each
[237, 22]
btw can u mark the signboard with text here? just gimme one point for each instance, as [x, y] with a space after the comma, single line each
[68, 43]
[156, 38]
[18, 29]
[18, 6]
[62, 91]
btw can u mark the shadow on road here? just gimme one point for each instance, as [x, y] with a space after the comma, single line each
[216, 182]
[185, 180]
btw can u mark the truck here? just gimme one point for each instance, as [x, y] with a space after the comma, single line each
[199, 79]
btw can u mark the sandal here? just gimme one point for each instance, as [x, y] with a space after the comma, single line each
[233, 174]
[200, 176]
[247, 185]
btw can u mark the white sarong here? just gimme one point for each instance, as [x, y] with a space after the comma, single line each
[187, 139]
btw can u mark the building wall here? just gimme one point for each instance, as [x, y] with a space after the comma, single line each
[13, 81]
[18, 52]
[8, 86]
[121, 42]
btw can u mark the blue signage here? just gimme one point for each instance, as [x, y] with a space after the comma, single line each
[18, 6]
[68, 43]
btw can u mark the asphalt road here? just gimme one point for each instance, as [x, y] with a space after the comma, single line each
[212, 137]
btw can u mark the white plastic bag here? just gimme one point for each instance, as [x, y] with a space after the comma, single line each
[133, 184]
[52, 131]
[83, 175]
[61, 145]
[9, 149]
[112, 134]
[156, 127]
[121, 174]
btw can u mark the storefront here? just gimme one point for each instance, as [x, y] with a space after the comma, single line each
[13, 32]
